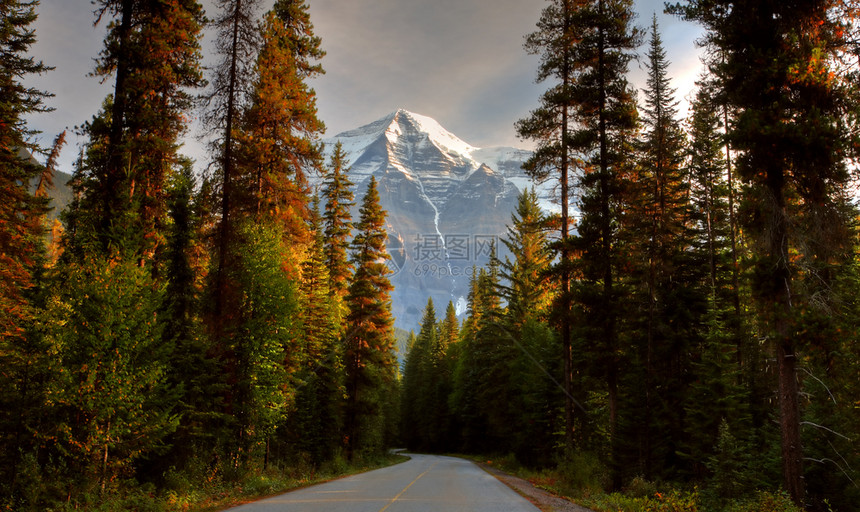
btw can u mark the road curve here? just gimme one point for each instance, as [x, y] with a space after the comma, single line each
[427, 483]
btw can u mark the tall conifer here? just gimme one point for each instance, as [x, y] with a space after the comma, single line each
[369, 340]
[277, 138]
[551, 126]
[21, 232]
[153, 51]
[667, 296]
[337, 191]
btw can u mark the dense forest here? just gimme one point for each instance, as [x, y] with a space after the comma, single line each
[186, 327]
[694, 323]
[687, 322]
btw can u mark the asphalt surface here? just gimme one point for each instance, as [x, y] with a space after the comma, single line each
[427, 483]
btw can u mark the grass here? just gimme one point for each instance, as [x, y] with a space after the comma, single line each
[197, 491]
[581, 479]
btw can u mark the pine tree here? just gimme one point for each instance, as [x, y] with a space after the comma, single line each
[337, 191]
[527, 294]
[317, 421]
[21, 239]
[778, 67]
[276, 139]
[601, 120]
[237, 44]
[153, 51]
[369, 341]
[550, 126]
[666, 292]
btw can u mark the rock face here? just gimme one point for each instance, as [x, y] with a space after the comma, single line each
[447, 202]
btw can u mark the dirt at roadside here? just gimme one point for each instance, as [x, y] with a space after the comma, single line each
[543, 500]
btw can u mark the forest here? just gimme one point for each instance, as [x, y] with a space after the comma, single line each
[682, 336]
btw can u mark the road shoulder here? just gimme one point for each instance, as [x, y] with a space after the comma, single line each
[540, 498]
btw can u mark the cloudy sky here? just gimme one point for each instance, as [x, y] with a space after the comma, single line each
[458, 61]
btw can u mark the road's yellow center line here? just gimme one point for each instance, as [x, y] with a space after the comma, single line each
[407, 488]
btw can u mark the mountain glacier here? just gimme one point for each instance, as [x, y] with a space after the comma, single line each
[448, 203]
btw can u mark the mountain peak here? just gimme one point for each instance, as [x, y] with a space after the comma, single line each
[404, 124]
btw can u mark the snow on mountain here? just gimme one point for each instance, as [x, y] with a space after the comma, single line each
[448, 203]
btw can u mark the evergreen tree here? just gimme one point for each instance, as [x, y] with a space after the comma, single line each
[277, 138]
[534, 366]
[369, 341]
[337, 191]
[263, 343]
[551, 127]
[471, 426]
[231, 88]
[778, 65]
[21, 240]
[482, 388]
[445, 361]
[192, 372]
[409, 391]
[528, 295]
[654, 230]
[108, 402]
[317, 421]
[419, 383]
[153, 51]
[603, 110]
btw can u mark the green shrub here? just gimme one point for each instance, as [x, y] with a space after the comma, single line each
[766, 502]
[582, 474]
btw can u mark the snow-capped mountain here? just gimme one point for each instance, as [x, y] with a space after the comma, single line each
[447, 203]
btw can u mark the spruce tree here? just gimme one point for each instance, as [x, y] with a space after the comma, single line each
[230, 91]
[153, 52]
[419, 378]
[316, 423]
[277, 138]
[22, 252]
[665, 292]
[21, 242]
[528, 294]
[337, 191]
[369, 340]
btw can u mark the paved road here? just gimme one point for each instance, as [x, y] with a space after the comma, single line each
[426, 483]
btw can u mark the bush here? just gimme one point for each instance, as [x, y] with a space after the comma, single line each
[582, 474]
[766, 502]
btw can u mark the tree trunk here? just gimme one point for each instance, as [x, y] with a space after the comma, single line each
[565, 257]
[782, 318]
[227, 167]
[111, 202]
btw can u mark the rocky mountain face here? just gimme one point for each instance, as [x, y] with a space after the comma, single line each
[448, 203]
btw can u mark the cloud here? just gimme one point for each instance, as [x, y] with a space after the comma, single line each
[459, 61]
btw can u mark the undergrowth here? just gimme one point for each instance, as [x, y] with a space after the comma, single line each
[202, 489]
[581, 478]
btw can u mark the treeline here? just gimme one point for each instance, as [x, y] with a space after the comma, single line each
[695, 321]
[184, 327]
